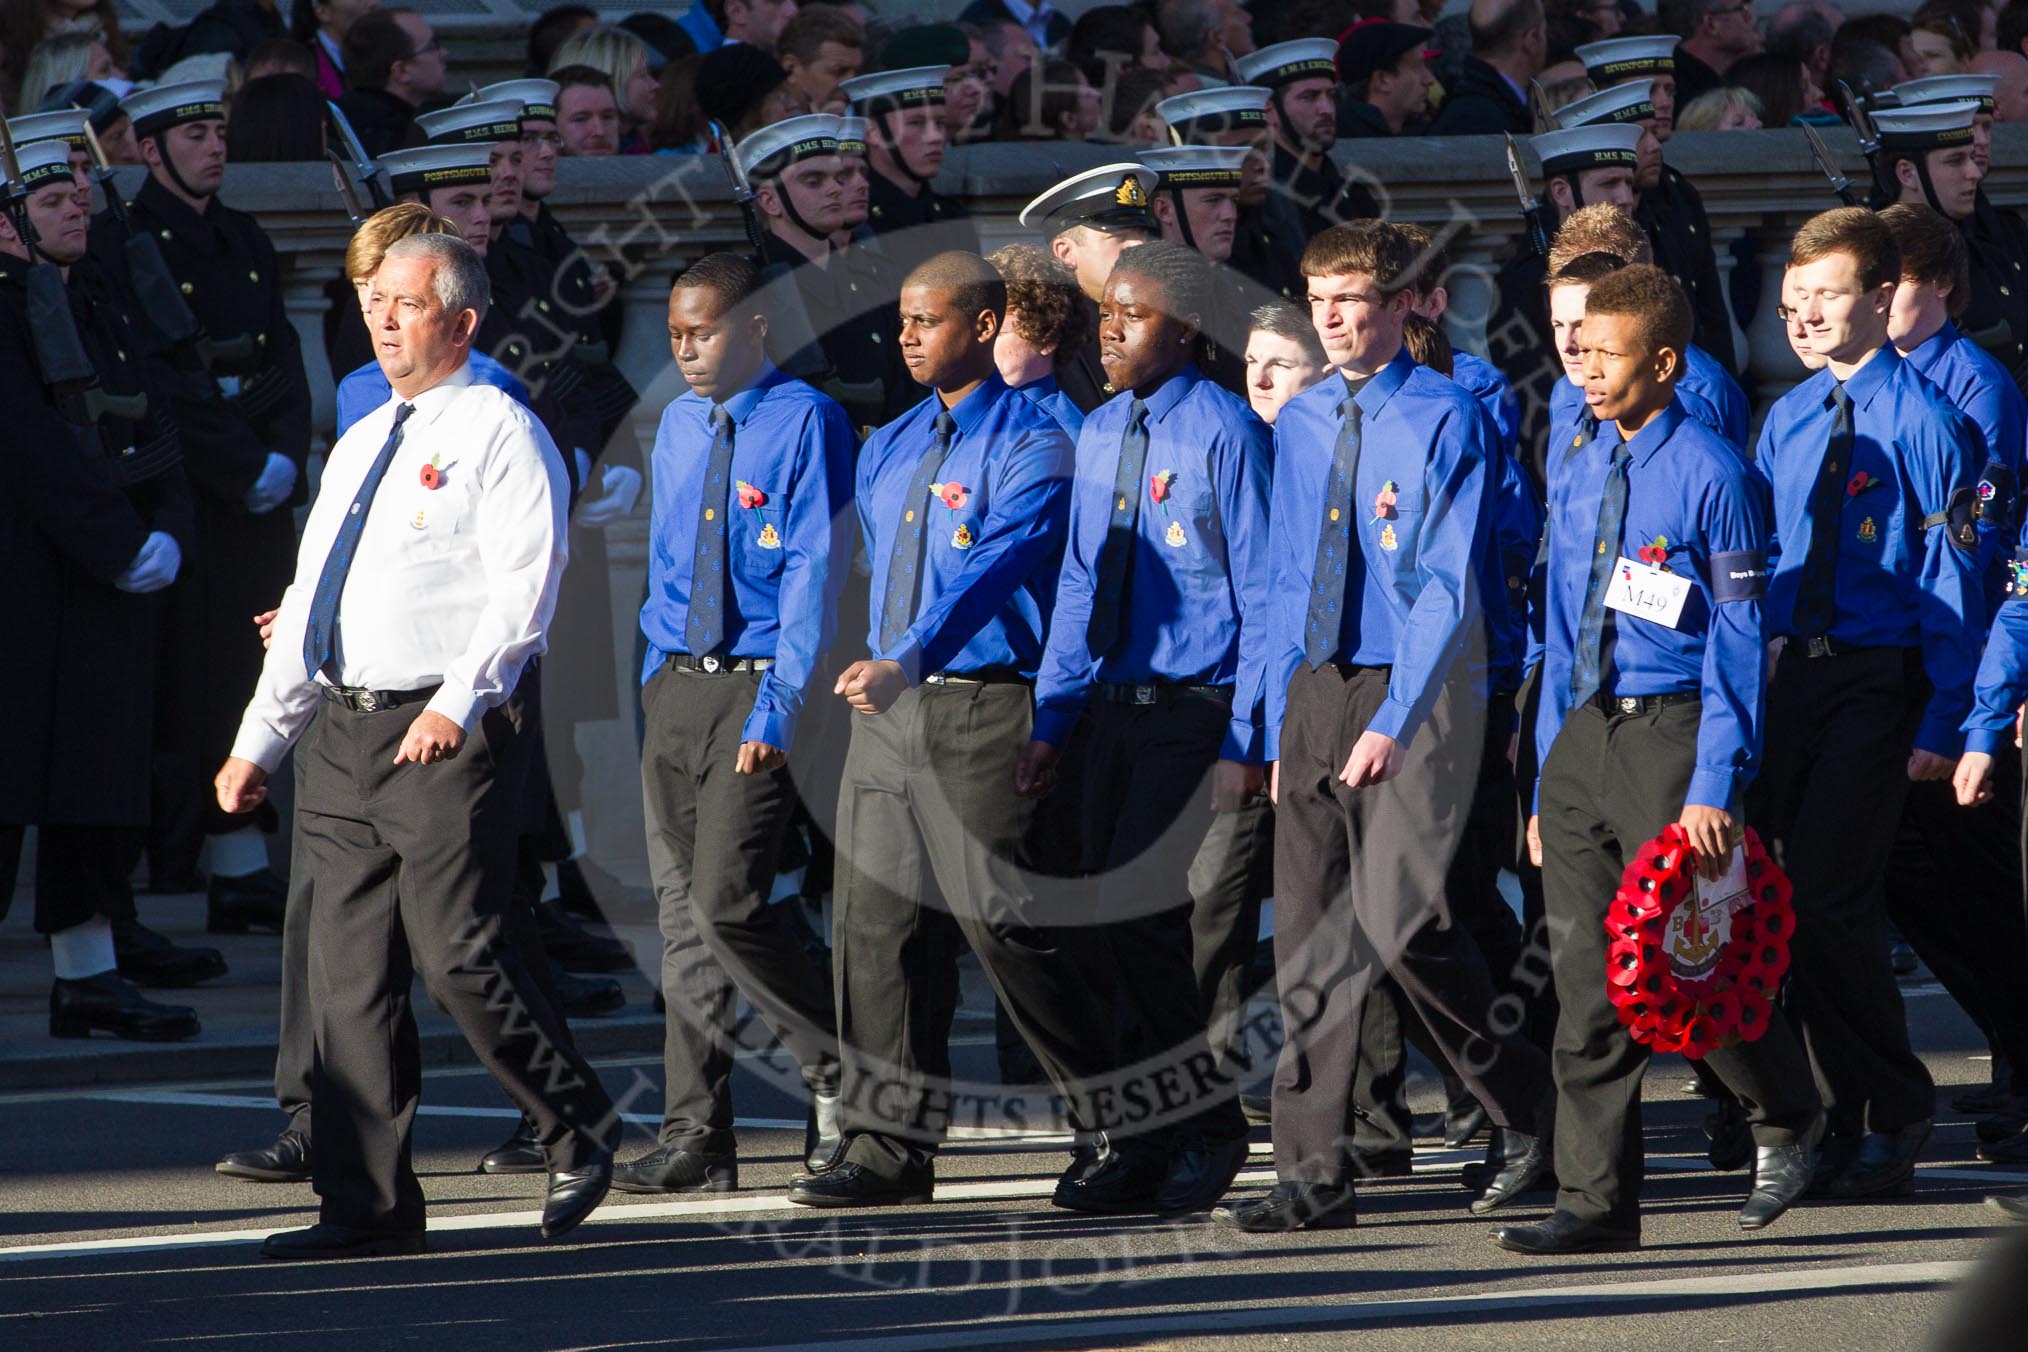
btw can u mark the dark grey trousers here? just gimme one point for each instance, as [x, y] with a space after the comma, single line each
[714, 836]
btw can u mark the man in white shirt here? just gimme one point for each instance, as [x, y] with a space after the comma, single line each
[407, 629]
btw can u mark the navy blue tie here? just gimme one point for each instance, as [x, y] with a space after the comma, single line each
[1325, 632]
[1116, 557]
[320, 633]
[704, 629]
[1817, 583]
[1589, 659]
[904, 561]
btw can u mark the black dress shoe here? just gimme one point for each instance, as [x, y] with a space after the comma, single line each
[106, 1002]
[2013, 1150]
[1781, 1174]
[1885, 1164]
[148, 959]
[1199, 1174]
[339, 1241]
[666, 1169]
[174, 881]
[518, 1154]
[1289, 1207]
[1523, 1161]
[1991, 1098]
[2013, 1205]
[1125, 1178]
[2004, 1122]
[1902, 959]
[1564, 1233]
[1383, 1164]
[585, 997]
[850, 1184]
[1258, 1108]
[1731, 1137]
[286, 1161]
[577, 948]
[575, 1194]
[236, 905]
[823, 1135]
[1460, 1129]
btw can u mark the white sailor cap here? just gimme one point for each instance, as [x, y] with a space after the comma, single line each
[852, 137]
[65, 124]
[1110, 197]
[165, 106]
[1617, 59]
[1979, 89]
[1600, 145]
[464, 124]
[536, 97]
[780, 144]
[1632, 101]
[41, 164]
[895, 88]
[1286, 62]
[1205, 112]
[1197, 166]
[1926, 127]
[423, 168]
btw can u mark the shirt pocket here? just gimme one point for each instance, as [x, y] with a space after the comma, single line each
[436, 521]
[1390, 515]
[760, 535]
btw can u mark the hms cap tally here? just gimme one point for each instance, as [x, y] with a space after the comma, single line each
[1599, 145]
[1625, 103]
[1183, 167]
[165, 106]
[424, 168]
[473, 123]
[536, 97]
[1206, 112]
[1617, 59]
[1927, 126]
[780, 144]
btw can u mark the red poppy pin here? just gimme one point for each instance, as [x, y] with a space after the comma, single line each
[1655, 552]
[1383, 501]
[1860, 483]
[953, 494]
[432, 475]
[750, 497]
[1159, 487]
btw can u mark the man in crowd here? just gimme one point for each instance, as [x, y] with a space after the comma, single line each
[1384, 70]
[821, 48]
[394, 69]
[587, 111]
[1510, 42]
[1301, 79]
[1713, 34]
[1088, 220]
[757, 23]
[905, 138]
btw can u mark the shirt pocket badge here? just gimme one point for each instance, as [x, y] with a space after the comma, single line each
[1388, 540]
[962, 537]
[1868, 532]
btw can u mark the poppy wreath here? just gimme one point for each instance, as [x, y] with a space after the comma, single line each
[1728, 1003]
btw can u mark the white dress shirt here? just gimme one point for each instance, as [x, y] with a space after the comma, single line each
[452, 585]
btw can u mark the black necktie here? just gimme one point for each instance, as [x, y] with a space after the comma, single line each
[904, 561]
[704, 629]
[1116, 558]
[320, 633]
[1588, 661]
[1325, 631]
[1817, 583]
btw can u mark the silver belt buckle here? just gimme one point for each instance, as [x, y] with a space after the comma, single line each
[1820, 646]
[934, 678]
[710, 664]
[365, 702]
[1144, 694]
[1629, 704]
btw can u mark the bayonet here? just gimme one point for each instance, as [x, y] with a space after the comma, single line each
[1840, 184]
[1531, 207]
[364, 167]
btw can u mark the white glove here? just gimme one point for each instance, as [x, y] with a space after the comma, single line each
[154, 567]
[584, 462]
[277, 480]
[620, 490]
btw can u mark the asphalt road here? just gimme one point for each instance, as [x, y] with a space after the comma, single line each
[115, 1233]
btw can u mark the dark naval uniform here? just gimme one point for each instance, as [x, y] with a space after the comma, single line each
[573, 305]
[850, 303]
[914, 228]
[1673, 215]
[1323, 196]
[1996, 318]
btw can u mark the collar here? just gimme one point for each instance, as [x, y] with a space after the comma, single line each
[1041, 387]
[974, 407]
[1172, 391]
[1025, 14]
[193, 228]
[331, 50]
[431, 403]
[1648, 442]
[1375, 393]
[1930, 350]
[1870, 379]
[742, 405]
[1514, 86]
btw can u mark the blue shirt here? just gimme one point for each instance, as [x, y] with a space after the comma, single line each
[367, 389]
[787, 555]
[989, 566]
[1980, 388]
[1050, 395]
[1490, 386]
[2003, 672]
[1195, 608]
[1897, 584]
[1691, 495]
[1706, 390]
[1413, 581]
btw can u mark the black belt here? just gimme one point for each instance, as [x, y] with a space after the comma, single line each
[1825, 646]
[1642, 704]
[983, 676]
[716, 666]
[1156, 691]
[1353, 669]
[361, 701]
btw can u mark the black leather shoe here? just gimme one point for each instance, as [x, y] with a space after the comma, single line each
[666, 1169]
[1460, 1129]
[518, 1154]
[1564, 1233]
[174, 880]
[2014, 1205]
[236, 905]
[1199, 1174]
[1902, 959]
[1885, 1164]
[1258, 1108]
[1126, 1177]
[339, 1241]
[1289, 1207]
[1990, 1097]
[2013, 1150]
[577, 948]
[1523, 1161]
[148, 959]
[575, 1194]
[1383, 1164]
[823, 1135]
[286, 1161]
[106, 1002]
[2004, 1123]
[1731, 1137]
[585, 997]
[849, 1184]
[1781, 1174]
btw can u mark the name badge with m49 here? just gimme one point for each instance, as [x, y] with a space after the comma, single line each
[1644, 590]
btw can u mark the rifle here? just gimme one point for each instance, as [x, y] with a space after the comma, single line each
[52, 327]
[742, 190]
[1869, 137]
[1531, 207]
[1840, 184]
[364, 166]
[1538, 107]
[155, 289]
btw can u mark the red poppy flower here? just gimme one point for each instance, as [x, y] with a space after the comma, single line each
[1159, 485]
[432, 477]
[1860, 483]
[1383, 502]
[954, 494]
[1656, 552]
[749, 496]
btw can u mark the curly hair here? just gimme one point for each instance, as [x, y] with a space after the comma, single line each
[1599, 228]
[1185, 275]
[1043, 302]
